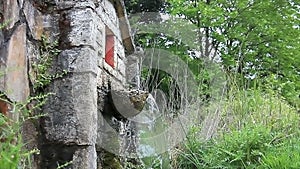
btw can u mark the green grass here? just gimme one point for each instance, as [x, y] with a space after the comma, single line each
[13, 153]
[11, 145]
[257, 129]
[285, 156]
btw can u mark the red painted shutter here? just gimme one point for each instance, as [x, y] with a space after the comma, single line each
[109, 50]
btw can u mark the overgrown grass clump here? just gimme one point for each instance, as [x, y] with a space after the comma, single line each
[10, 145]
[256, 129]
[13, 153]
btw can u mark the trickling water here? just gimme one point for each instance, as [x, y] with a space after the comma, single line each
[144, 124]
[131, 130]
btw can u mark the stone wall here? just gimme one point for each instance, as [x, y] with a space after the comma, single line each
[68, 131]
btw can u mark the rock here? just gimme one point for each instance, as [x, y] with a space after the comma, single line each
[72, 111]
[133, 72]
[78, 60]
[10, 13]
[34, 19]
[15, 80]
[128, 103]
[72, 156]
[85, 158]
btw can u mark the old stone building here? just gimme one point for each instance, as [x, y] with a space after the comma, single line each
[94, 44]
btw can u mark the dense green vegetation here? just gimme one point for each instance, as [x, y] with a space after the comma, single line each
[256, 130]
[257, 44]
[256, 40]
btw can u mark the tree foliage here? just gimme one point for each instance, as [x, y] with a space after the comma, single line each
[256, 40]
[257, 43]
[138, 6]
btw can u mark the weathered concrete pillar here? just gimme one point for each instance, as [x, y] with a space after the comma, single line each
[69, 128]
[133, 69]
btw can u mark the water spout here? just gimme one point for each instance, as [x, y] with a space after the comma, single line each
[149, 113]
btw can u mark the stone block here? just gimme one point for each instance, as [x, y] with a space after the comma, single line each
[85, 158]
[103, 80]
[113, 26]
[72, 111]
[101, 56]
[86, 4]
[32, 54]
[110, 11]
[110, 69]
[51, 26]
[81, 60]
[120, 78]
[83, 28]
[117, 84]
[14, 66]
[120, 49]
[85, 94]
[101, 32]
[121, 66]
[107, 136]
[67, 4]
[133, 70]
[73, 156]
[10, 12]
[34, 19]
[100, 40]
[99, 79]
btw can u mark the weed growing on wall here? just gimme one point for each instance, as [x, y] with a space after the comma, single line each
[64, 165]
[3, 25]
[43, 66]
[12, 151]
[10, 147]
